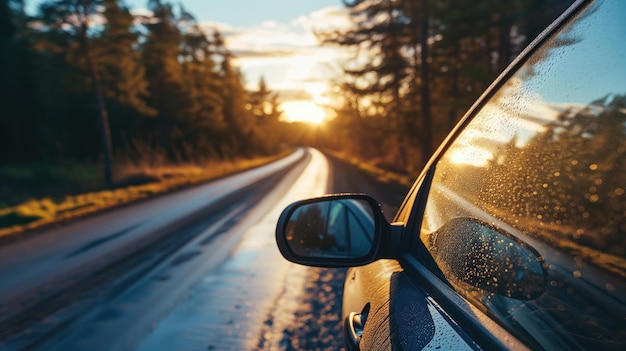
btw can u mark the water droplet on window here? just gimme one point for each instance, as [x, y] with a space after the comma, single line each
[576, 274]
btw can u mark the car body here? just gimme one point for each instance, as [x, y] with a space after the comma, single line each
[514, 235]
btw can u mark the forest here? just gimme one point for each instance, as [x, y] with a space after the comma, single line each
[417, 66]
[88, 81]
[86, 88]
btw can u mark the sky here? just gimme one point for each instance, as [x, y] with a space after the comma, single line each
[274, 39]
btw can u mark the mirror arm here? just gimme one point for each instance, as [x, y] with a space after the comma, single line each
[391, 241]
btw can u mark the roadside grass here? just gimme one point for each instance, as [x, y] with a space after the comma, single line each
[20, 183]
[382, 175]
[42, 195]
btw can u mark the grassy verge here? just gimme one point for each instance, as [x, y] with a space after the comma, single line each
[382, 175]
[68, 184]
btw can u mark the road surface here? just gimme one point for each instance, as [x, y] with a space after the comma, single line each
[196, 269]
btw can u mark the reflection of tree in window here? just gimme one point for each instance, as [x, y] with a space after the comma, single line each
[563, 187]
[567, 184]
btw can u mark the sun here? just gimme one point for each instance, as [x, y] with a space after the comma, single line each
[302, 111]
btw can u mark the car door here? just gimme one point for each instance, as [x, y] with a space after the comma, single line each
[516, 231]
[384, 309]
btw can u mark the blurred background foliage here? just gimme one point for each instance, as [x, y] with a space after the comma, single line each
[167, 86]
[426, 62]
[86, 81]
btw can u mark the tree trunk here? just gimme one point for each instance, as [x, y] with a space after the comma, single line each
[102, 110]
[425, 88]
[454, 93]
[504, 56]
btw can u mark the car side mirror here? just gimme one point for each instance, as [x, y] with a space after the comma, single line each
[332, 231]
[475, 253]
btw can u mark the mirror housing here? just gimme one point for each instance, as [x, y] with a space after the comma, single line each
[343, 230]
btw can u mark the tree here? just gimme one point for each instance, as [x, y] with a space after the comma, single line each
[377, 35]
[419, 24]
[77, 14]
[164, 73]
[202, 84]
[420, 64]
[123, 76]
[239, 121]
[378, 71]
[18, 86]
[264, 104]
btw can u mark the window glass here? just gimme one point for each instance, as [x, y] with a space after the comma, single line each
[525, 215]
[356, 227]
[337, 226]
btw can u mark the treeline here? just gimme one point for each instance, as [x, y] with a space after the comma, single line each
[417, 66]
[165, 86]
[81, 71]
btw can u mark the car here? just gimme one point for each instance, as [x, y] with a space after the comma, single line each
[514, 234]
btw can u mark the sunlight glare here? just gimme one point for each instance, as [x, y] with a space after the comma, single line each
[302, 111]
[470, 155]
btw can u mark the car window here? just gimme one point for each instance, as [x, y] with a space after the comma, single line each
[525, 215]
[350, 223]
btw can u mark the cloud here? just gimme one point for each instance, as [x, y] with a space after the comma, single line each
[144, 12]
[294, 95]
[288, 55]
[225, 29]
[263, 54]
[328, 18]
[270, 24]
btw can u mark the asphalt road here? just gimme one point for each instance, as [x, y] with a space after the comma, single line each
[195, 269]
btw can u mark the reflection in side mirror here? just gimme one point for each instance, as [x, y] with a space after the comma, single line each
[338, 230]
[472, 252]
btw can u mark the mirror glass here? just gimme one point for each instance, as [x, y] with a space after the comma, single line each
[472, 252]
[331, 228]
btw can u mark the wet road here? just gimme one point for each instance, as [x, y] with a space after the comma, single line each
[194, 270]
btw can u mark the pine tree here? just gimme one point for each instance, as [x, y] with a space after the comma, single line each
[264, 104]
[123, 76]
[76, 15]
[239, 120]
[420, 64]
[380, 71]
[164, 74]
[203, 85]
[378, 35]
[19, 130]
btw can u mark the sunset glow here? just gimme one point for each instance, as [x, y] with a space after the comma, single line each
[303, 111]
